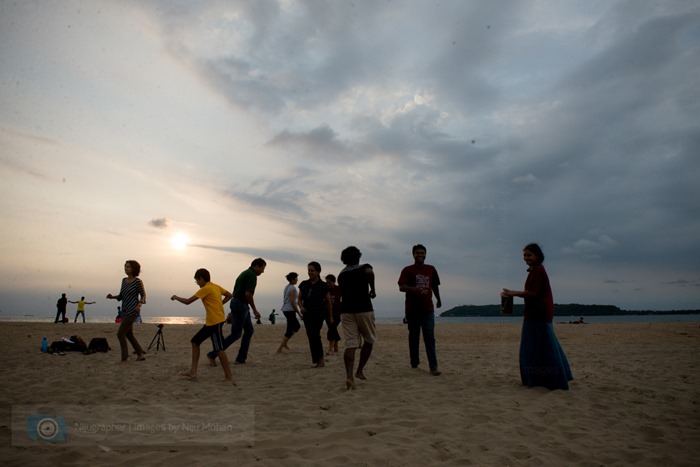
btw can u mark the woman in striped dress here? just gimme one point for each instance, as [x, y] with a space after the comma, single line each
[132, 295]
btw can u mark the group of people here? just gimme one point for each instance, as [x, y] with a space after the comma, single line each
[317, 301]
[348, 305]
[61, 305]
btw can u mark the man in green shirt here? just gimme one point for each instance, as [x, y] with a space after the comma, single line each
[242, 302]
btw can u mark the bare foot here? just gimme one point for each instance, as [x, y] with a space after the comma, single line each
[350, 384]
[141, 358]
[361, 375]
[189, 374]
[230, 381]
[320, 364]
[435, 372]
[212, 361]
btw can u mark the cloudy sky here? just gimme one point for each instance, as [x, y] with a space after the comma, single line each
[205, 134]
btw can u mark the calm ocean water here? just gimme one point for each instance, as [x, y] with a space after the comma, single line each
[393, 319]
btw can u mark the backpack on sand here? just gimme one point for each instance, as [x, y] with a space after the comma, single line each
[98, 344]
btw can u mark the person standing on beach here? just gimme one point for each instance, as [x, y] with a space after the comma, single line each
[242, 302]
[419, 282]
[81, 308]
[332, 335]
[61, 305]
[357, 315]
[315, 305]
[132, 295]
[542, 360]
[290, 310]
[210, 294]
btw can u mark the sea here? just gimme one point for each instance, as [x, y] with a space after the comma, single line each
[650, 318]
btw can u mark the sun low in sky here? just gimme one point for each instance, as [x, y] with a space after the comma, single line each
[179, 241]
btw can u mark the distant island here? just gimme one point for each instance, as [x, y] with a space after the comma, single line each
[573, 309]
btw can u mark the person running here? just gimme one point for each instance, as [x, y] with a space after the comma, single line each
[242, 302]
[210, 294]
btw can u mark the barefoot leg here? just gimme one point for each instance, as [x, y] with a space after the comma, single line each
[350, 384]
[223, 358]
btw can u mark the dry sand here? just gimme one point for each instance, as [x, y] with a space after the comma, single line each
[634, 401]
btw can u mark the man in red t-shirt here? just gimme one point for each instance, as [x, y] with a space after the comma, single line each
[420, 281]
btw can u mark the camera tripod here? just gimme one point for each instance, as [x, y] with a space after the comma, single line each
[158, 339]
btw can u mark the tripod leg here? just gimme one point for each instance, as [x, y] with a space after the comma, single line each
[161, 340]
[153, 340]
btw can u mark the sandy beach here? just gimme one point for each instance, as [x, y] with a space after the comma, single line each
[635, 400]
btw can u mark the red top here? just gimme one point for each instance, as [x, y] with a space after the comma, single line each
[538, 307]
[424, 277]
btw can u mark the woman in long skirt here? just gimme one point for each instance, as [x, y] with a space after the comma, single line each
[542, 360]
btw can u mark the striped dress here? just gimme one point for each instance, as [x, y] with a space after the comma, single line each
[131, 294]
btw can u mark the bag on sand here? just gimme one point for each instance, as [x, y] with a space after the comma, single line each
[76, 344]
[79, 344]
[98, 344]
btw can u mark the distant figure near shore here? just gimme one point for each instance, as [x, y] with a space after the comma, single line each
[61, 309]
[81, 308]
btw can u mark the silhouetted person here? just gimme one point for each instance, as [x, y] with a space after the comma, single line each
[61, 309]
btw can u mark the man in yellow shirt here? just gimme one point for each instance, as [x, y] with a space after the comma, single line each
[81, 308]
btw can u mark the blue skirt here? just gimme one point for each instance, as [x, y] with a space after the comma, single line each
[542, 360]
